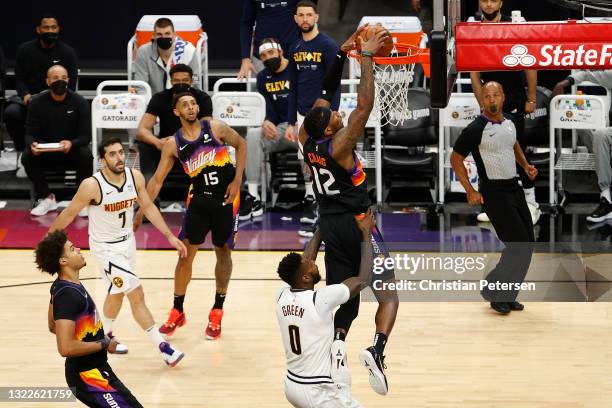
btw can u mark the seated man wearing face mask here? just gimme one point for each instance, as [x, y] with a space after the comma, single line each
[155, 60]
[273, 84]
[32, 61]
[62, 117]
[160, 106]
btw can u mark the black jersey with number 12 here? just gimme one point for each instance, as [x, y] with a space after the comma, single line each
[338, 190]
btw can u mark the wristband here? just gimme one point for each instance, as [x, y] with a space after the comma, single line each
[570, 80]
[105, 342]
[367, 54]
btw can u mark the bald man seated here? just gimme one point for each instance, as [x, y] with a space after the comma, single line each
[58, 132]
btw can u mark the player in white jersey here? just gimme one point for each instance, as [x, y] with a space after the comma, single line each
[306, 320]
[111, 195]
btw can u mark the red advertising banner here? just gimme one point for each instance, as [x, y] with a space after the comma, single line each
[536, 45]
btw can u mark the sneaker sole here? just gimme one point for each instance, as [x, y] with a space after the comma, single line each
[178, 359]
[244, 217]
[305, 220]
[306, 234]
[599, 219]
[257, 213]
[121, 352]
[376, 378]
[212, 338]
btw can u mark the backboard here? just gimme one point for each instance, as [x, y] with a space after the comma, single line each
[446, 14]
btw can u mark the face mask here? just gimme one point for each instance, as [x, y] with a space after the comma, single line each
[273, 64]
[164, 43]
[490, 16]
[49, 38]
[59, 87]
[179, 88]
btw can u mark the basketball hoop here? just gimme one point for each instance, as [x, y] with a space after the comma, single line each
[392, 77]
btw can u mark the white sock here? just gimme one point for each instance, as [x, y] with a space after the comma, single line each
[309, 190]
[606, 194]
[530, 195]
[253, 190]
[155, 335]
[107, 323]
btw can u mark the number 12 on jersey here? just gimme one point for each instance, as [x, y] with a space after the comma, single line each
[328, 178]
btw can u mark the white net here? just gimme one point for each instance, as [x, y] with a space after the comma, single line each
[391, 94]
[392, 83]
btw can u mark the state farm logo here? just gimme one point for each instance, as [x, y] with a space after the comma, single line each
[590, 55]
[519, 56]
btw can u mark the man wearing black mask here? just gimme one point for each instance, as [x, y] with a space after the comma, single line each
[273, 84]
[160, 106]
[154, 61]
[59, 116]
[33, 59]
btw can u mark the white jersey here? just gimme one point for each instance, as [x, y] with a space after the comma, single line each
[111, 219]
[306, 322]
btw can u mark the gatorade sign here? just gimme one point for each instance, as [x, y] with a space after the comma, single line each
[539, 46]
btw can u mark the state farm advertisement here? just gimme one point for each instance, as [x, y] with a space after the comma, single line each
[566, 45]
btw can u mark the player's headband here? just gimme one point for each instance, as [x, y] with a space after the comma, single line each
[316, 122]
[269, 46]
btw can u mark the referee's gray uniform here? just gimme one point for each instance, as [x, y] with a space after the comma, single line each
[492, 147]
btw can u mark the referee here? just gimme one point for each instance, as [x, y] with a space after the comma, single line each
[491, 139]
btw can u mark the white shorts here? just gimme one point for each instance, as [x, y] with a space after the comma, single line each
[319, 395]
[117, 262]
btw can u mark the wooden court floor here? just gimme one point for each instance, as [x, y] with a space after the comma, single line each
[552, 355]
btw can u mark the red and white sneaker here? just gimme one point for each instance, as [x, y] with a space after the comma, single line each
[176, 319]
[213, 330]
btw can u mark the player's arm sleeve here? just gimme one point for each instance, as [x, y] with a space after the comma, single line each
[328, 298]
[293, 85]
[68, 304]
[84, 131]
[247, 22]
[468, 140]
[331, 51]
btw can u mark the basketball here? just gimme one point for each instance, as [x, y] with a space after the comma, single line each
[371, 31]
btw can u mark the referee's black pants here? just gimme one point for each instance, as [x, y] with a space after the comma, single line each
[504, 203]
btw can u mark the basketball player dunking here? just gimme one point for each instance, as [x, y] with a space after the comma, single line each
[212, 203]
[341, 191]
[111, 195]
[306, 320]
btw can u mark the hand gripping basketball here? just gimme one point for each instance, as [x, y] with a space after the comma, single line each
[376, 40]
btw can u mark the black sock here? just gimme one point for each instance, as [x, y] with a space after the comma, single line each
[340, 335]
[219, 299]
[178, 302]
[380, 340]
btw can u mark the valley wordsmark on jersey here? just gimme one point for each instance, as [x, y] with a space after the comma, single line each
[337, 189]
[111, 219]
[306, 320]
[206, 161]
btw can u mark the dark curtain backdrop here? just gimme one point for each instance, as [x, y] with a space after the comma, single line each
[99, 31]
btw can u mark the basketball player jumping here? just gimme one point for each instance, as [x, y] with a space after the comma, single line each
[74, 320]
[212, 203]
[111, 195]
[306, 320]
[341, 191]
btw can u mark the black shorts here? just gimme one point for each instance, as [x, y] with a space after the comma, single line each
[342, 239]
[100, 387]
[206, 214]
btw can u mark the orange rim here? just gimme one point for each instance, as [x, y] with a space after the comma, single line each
[417, 55]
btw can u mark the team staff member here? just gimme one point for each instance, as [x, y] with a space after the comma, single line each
[264, 19]
[491, 139]
[32, 61]
[518, 101]
[74, 320]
